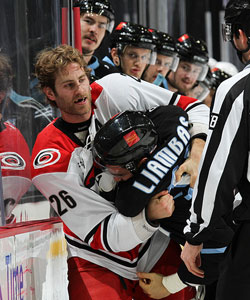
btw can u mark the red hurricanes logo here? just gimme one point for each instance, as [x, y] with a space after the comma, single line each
[46, 158]
[12, 161]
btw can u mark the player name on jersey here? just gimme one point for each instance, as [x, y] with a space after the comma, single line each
[164, 159]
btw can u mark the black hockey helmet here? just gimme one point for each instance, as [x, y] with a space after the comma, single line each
[237, 16]
[99, 7]
[136, 35]
[165, 45]
[194, 51]
[191, 49]
[217, 77]
[124, 140]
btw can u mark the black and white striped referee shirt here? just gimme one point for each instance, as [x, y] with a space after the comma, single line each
[225, 162]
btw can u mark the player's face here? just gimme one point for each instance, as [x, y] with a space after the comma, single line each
[119, 173]
[185, 76]
[72, 94]
[93, 29]
[161, 66]
[134, 60]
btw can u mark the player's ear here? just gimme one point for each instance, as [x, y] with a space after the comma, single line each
[241, 41]
[49, 93]
[115, 56]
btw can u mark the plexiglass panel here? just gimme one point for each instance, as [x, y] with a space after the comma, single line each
[26, 27]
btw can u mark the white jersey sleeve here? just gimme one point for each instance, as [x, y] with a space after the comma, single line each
[118, 92]
[62, 172]
[89, 215]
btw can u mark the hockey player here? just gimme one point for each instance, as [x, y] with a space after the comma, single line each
[132, 48]
[142, 172]
[123, 148]
[193, 65]
[166, 60]
[100, 240]
[225, 168]
[97, 20]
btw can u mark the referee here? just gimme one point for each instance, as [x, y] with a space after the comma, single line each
[225, 168]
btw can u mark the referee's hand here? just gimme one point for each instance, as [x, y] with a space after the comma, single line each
[192, 259]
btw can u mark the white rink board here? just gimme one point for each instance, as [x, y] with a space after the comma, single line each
[33, 265]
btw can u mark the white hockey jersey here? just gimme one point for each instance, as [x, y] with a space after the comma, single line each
[118, 92]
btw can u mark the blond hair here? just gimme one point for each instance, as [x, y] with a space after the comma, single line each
[50, 61]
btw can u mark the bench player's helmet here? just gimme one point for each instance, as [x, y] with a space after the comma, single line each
[165, 45]
[124, 140]
[194, 51]
[129, 34]
[217, 77]
[99, 7]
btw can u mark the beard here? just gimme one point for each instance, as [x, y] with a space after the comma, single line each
[87, 52]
